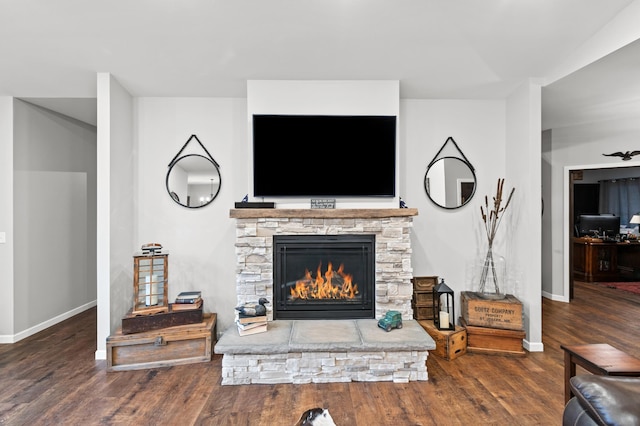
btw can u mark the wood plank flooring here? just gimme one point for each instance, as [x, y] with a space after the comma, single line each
[51, 378]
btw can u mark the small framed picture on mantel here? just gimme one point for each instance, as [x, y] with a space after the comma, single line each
[323, 203]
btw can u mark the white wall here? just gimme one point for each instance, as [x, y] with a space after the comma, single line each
[54, 217]
[547, 218]
[447, 243]
[572, 148]
[6, 220]
[523, 232]
[117, 199]
[48, 275]
[580, 146]
[200, 241]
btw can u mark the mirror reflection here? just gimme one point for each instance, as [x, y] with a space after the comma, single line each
[193, 181]
[450, 182]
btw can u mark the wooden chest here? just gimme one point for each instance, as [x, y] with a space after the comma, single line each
[450, 344]
[493, 340]
[183, 344]
[133, 323]
[504, 313]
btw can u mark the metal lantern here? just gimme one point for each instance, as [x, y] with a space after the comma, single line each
[443, 307]
[150, 270]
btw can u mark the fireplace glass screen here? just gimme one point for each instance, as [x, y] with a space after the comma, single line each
[324, 276]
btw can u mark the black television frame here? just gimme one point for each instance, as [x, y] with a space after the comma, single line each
[326, 156]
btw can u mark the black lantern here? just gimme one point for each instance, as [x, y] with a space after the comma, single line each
[443, 308]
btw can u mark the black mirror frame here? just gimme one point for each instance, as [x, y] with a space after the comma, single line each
[464, 161]
[175, 197]
[473, 174]
[177, 158]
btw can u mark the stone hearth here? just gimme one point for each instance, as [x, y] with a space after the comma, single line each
[323, 351]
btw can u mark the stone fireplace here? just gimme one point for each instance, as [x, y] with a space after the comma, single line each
[341, 341]
[391, 228]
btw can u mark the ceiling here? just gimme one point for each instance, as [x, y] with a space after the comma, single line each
[464, 49]
[605, 90]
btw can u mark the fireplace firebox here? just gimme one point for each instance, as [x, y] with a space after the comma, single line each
[324, 276]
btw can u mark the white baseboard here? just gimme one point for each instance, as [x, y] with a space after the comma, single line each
[46, 324]
[533, 346]
[555, 297]
[101, 354]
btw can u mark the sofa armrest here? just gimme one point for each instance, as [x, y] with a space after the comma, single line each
[608, 400]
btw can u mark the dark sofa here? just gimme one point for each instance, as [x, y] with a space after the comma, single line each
[603, 400]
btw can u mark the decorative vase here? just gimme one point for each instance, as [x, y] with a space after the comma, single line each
[491, 271]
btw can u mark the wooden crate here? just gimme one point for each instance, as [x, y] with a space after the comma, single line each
[423, 298]
[504, 313]
[450, 344]
[133, 323]
[424, 283]
[493, 340]
[422, 312]
[183, 344]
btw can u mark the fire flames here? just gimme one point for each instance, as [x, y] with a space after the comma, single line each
[331, 285]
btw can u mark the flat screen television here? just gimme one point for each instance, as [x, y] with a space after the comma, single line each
[324, 156]
[601, 225]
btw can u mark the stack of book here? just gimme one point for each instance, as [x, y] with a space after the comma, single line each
[248, 325]
[188, 300]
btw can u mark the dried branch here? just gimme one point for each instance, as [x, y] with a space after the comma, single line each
[492, 222]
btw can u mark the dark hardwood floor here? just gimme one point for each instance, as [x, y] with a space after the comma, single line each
[52, 378]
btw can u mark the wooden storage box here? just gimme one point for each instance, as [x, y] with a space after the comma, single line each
[183, 344]
[133, 323]
[504, 313]
[422, 312]
[422, 301]
[424, 283]
[422, 298]
[450, 344]
[493, 340]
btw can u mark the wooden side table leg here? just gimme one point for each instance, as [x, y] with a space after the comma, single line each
[569, 372]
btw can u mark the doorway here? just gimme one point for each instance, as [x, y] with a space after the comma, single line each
[584, 194]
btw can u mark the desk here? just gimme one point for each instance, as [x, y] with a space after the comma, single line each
[601, 358]
[598, 260]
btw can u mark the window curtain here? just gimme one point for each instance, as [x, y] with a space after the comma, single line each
[620, 197]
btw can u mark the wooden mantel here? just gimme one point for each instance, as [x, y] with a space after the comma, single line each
[321, 213]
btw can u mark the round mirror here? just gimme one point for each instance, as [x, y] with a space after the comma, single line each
[450, 182]
[193, 181]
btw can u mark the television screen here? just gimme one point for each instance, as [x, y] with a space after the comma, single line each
[324, 156]
[600, 225]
